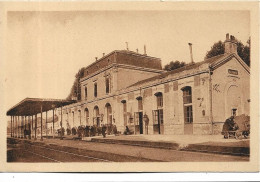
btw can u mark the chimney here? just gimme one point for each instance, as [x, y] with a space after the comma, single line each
[137, 50]
[127, 46]
[96, 58]
[145, 50]
[230, 44]
[191, 56]
[103, 54]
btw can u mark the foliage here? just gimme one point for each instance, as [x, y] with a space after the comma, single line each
[174, 65]
[217, 49]
[75, 91]
[242, 50]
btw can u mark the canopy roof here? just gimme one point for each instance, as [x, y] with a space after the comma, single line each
[32, 106]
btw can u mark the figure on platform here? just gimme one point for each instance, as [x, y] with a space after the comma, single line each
[146, 121]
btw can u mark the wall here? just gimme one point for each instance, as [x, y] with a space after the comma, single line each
[127, 77]
[101, 85]
[172, 98]
[229, 91]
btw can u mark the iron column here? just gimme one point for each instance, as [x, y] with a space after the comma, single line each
[41, 122]
[61, 123]
[35, 128]
[11, 128]
[53, 131]
[46, 128]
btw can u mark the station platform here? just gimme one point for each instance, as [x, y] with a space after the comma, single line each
[195, 143]
[199, 143]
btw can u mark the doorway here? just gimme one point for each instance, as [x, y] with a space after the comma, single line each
[188, 120]
[187, 110]
[139, 122]
[158, 121]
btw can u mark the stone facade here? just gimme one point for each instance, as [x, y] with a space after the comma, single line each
[195, 99]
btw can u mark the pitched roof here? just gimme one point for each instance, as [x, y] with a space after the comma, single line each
[124, 57]
[209, 61]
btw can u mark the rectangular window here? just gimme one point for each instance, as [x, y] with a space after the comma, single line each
[136, 118]
[155, 117]
[95, 89]
[188, 114]
[107, 85]
[160, 116]
[86, 92]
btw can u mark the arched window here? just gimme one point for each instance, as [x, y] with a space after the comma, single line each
[73, 118]
[109, 113]
[96, 118]
[87, 116]
[95, 89]
[107, 85]
[159, 98]
[86, 92]
[79, 117]
[96, 111]
[124, 111]
[187, 103]
[140, 103]
[187, 95]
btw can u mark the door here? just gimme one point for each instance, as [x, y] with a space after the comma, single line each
[158, 121]
[141, 122]
[138, 116]
[188, 120]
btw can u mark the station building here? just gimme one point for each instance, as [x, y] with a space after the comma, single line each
[124, 87]
[129, 89]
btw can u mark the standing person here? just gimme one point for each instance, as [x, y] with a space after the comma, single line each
[146, 121]
[104, 130]
[115, 130]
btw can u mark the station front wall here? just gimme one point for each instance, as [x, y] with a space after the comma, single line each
[100, 80]
[173, 115]
[230, 90]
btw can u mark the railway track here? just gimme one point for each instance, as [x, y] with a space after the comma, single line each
[57, 153]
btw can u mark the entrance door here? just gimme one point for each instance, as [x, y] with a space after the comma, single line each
[158, 121]
[141, 122]
[188, 120]
[96, 121]
[138, 122]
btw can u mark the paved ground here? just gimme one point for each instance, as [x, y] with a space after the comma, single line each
[119, 153]
[185, 140]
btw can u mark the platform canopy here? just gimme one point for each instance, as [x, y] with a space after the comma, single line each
[32, 106]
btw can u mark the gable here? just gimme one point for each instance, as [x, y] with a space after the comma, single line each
[231, 68]
[231, 60]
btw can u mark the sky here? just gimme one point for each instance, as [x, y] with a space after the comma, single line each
[46, 49]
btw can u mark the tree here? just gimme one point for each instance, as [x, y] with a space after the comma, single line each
[75, 90]
[242, 50]
[174, 65]
[217, 49]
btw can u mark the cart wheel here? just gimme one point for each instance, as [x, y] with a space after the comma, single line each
[236, 136]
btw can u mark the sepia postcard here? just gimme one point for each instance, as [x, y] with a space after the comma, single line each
[129, 86]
